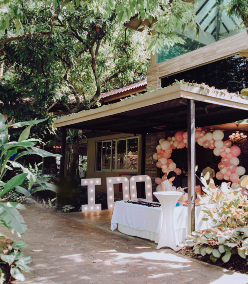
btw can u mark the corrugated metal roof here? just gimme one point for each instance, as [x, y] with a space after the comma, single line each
[125, 89]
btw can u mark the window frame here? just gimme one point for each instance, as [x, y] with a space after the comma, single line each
[111, 163]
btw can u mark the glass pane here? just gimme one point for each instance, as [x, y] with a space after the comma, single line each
[214, 25]
[106, 155]
[98, 155]
[121, 154]
[132, 153]
[113, 154]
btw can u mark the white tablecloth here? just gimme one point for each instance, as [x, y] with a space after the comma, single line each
[145, 222]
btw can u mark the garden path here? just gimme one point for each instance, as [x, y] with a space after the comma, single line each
[77, 248]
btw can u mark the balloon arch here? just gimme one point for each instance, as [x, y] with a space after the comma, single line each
[228, 167]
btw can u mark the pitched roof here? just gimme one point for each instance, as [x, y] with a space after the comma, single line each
[125, 91]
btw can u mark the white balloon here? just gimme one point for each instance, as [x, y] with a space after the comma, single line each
[163, 161]
[226, 177]
[159, 187]
[242, 178]
[175, 143]
[217, 152]
[218, 135]
[240, 171]
[164, 167]
[165, 145]
[234, 161]
[223, 171]
[185, 140]
[161, 140]
[209, 136]
[200, 141]
[173, 138]
[219, 144]
[227, 150]
[204, 138]
[155, 156]
[158, 147]
[172, 166]
[171, 142]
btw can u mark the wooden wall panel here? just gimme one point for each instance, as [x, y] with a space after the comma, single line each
[207, 54]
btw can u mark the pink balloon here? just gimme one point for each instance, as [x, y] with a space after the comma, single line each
[224, 147]
[228, 173]
[197, 134]
[173, 147]
[227, 143]
[206, 144]
[223, 154]
[165, 155]
[169, 151]
[234, 177]
[221, 166]
[185, 135]
[159, 164]
[178, 171]
[159, 151]
[180, 145]
[169, 161]
[169, 138]
[159, 157]
[158, 180]
[231, 167]
[225, 161]
[199, 129]
[229, 156]
[219, 176]
[235, 150]
[179, 136]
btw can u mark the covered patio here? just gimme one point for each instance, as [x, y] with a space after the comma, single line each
[178, 107]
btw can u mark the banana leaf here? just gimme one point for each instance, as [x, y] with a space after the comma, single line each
[12, 218]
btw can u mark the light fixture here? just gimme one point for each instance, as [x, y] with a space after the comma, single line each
[237, 137]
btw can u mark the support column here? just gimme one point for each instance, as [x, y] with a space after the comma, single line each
[191, 164]
[63, 147]
[143, 155]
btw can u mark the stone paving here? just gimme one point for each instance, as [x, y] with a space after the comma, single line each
[80, 248]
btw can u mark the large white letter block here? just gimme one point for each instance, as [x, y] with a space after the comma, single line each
[91, 183]
[110, 189]
[148, 186]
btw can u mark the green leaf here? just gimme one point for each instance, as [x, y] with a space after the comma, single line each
[24, 123]
[25, 134]
[12, 218]
[7, 258]
[216, 253]
[203, 251]
[241, 253]
[15, 181]
[205, 219]
[17, 274]
[26, 259]
[18, 255]
[226, 257]
[22, 266]
[19, 245]
[40, 152]
[22, 190]
[232, 245]
[221, 249]
[209, 250]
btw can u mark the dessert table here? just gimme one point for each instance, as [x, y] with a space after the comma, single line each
[146, 222]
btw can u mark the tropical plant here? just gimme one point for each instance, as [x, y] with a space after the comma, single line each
[10, 217]
[67, 208]
[229, 217]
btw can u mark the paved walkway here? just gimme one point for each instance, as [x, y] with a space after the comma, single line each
[80, 248]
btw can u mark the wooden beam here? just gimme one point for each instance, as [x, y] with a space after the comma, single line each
[191, 165]
[62, 159]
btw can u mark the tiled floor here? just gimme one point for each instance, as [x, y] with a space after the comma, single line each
[81, 248]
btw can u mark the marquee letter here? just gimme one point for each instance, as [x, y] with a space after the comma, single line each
[148, 186]
[91, 183]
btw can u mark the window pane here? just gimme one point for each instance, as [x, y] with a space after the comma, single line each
[132, 153]
[106, 155]
[121, 154]
[98, 155]
[113, 154]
